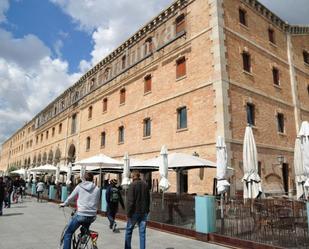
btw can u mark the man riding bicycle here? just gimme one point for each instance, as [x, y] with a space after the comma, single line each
[87, 203]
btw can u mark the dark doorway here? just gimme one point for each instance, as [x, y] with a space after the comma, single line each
[71, 153]
[285, 177]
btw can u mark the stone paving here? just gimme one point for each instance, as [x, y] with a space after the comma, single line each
[32, 225]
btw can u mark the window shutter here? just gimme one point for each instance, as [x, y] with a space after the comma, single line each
[181, 68]
[147, 86]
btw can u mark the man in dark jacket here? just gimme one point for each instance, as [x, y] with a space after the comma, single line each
[2, 194]
[138, 202]
[113, 198]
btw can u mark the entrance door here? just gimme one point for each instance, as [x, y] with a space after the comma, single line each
[285, 177]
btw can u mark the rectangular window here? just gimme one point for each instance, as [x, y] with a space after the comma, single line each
[147, 84]
[243, 17]
[271, 36]
[180, 67]
[182, 118]
[53, 131]
[36, 139]
[276, 78]
[105, 105]
[47, 134]
[73, 125]
[280, 122]
[250, 114]
[180, 24]
[123, 62]
[147, 127]
[103, 139]
[42, 137]
[122, 96]
[246, 61]
[121, 134]
[306, 57]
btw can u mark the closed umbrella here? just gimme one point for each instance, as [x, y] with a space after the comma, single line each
[69, 174]
[300, 177]
[222, 183]
[82, 172]
[126, 172]
[57, 174]
[164, 184]
[304, 136]
[251, 178]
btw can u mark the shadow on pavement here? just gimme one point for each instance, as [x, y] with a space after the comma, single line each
[19, 206]
[13, 214]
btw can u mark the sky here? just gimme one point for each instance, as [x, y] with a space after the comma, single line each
[47, 45]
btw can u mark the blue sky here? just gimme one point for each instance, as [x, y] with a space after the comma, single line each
[46, 45]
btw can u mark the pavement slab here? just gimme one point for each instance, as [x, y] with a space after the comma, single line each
[33, 225]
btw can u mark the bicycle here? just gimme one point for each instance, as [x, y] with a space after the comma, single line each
[85, 239]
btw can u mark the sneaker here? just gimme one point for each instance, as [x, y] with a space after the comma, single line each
[114, 226]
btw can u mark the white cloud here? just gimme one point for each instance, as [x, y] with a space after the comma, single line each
[28, 81]
[4, 6]
[111, 22]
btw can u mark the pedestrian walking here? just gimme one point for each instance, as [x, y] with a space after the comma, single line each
[138, 202]
[9, 191]
[113, 198]
[39, 189]
[2, 194]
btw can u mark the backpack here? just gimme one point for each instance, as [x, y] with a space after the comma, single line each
[114, 196]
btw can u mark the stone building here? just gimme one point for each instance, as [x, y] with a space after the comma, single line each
[199, 69]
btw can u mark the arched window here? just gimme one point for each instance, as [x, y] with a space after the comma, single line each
[88, 141]
[103, 138]
[148, 46]
[90, 112]
[180, 24]
[122, 96]
[121, 134]
[105, 104]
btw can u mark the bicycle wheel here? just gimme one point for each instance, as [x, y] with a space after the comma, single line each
[62, 237]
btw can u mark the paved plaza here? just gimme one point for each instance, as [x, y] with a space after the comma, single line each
[32, 225]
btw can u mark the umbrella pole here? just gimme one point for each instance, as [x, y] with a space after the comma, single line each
[162, 201]
[222, 212]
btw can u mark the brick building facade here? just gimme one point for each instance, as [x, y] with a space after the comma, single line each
[199, 69]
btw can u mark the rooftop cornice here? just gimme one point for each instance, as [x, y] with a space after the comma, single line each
[136, 37]
[276, 20]
[299, 30]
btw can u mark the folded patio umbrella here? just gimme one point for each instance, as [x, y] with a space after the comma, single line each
[251, 178]
[126, 171]
[164, 184]
[222, 183]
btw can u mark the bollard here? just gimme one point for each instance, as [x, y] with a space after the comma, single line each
[52, 192]
[103, 201]
[308, 213]
[64, 193]
[33, 190]
[205, 214]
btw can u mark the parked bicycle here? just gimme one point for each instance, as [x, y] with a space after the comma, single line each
[84, 239]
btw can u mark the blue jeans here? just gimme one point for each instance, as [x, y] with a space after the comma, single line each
[141, 221]
[74, 224]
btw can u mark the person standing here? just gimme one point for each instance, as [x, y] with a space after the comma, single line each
[9, 191]
[138, 202]
[40, 189]
[2, 194]
[113, 198]
[87, 205]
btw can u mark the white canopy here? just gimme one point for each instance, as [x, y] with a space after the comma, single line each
[19, 172]
[222, 183]
[177, 160]
[44, 168]
[251, 178]
[99, 160]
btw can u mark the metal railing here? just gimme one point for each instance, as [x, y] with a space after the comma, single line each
[278, 222]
